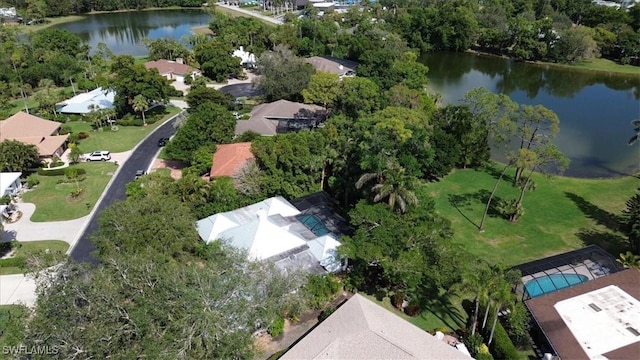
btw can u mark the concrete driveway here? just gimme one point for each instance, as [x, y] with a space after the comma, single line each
[27, 230]
[17, 289]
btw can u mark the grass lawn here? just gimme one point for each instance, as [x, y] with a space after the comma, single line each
[561, 214]
[30, 247]
[53, 201]
[608, 66]
[442, 312]
[115, 141]
[12, 324]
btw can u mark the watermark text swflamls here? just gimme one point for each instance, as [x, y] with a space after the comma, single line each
[30, 350]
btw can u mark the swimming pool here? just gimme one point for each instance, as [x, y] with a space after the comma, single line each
[550, 283]
[314, 224]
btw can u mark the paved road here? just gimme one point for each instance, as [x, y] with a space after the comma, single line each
[140, 159]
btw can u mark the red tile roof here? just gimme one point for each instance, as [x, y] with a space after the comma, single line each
[229, 158]
[169, 67]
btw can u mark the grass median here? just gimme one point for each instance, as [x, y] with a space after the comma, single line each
[53, 199]
[561, 214]
[26, 248]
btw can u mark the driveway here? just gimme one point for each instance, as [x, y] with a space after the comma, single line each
[241, 90]
[17, 289]
[140, 159]
[251, 13]
[27, 230]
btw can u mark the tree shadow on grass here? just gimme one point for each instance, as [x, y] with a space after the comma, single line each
[611, 242]
[601, 217]
[439, 304]
[496, 171]
[463, 202]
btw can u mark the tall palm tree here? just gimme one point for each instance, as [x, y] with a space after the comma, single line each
[46, 84]
[475, 283]
[392, 184]
[140, 104]
[502, 295]
[634, 138]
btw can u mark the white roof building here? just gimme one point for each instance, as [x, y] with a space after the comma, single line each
[9, 183]
[273, 230]
[85, 102]
[246, 58]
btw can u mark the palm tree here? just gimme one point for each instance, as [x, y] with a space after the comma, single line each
[94, 115]
[392, 184]
[140, 104]
[475, 282]
[634, 138]
[502, 295]
[629, 260]
[46, 84]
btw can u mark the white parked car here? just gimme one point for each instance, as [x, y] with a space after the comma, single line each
[99, 156]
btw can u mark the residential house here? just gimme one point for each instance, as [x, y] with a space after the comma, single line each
[230, 158]
[29, 129]
[282, 116]
[10, 183]
[173, 70]
[362, 329]
[87, 102]
[247, 59]
[596, 319]
[274, 230]
[340, 67]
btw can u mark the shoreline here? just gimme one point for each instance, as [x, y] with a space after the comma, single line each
[623, 70]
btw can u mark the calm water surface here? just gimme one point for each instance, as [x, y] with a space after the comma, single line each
[595, 109]
[123, 31]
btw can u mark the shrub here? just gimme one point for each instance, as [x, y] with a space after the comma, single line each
[502, 347]
[5, 200]
[412, 309]
[474, 344]
[277, 327]
[320, 290]
[17, 261]
[74, 138]
[58, 172]
[326, 313]
[32, 181]
[65, 129]
[82, 135]
[138, 122]
[397, 300]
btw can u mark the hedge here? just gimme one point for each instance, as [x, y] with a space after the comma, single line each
[502, 347]
[17, 261]
[58, 172]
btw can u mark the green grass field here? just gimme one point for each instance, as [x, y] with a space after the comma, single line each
[607, 66]
[29, 247]
[12, 324]
[561, 214]
[53, 200]
[115, 141]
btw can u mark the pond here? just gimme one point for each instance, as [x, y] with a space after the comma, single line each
[595, 109]
[123, 31]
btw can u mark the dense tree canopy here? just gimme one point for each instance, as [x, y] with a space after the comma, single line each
[17, 156]
[284, 75]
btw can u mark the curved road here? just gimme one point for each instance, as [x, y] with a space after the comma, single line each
[140, 159]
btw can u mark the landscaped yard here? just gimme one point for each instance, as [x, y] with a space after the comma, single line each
[561, 214]
[12, 324]
[30, 247]
[53, 200]
[115, 141]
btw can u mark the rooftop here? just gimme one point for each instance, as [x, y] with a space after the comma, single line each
[597, 318]
[169, 67]
[265, 118]
[230, 158]
[29, 129]
[332, 65]
[86, 102]
[361, 329]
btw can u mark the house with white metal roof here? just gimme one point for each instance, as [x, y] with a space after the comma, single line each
[86, 102]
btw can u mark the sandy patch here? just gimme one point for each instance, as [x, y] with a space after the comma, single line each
[175, 167]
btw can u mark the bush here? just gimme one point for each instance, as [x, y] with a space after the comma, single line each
[17, 261]
[65, 129]
[277, 327]
[320, 290]
[32, 181]
[326, 313]
[412, 309]
[58, 172]
[82, 135]
[5, 200]
[502, 347]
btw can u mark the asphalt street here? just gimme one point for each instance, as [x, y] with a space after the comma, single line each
[140, 159]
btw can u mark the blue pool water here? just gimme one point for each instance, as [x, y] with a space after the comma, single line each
[314, 224]
[550, 283]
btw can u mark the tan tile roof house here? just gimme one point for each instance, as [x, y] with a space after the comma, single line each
[332, 65]
[361, 329]
[172, 69]
[33, 130]
[230, 158]
[280, 116]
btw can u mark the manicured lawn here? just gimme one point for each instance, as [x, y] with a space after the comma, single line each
[444, 311]
[115, 141]
[12, 324]
[53, 201]
[29, 247]
[561, 214]
[608, 66]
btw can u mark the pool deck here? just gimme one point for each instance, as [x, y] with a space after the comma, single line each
[590, 269]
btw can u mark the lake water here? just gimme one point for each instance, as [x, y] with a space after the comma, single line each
[595, 109]
[123, 31]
